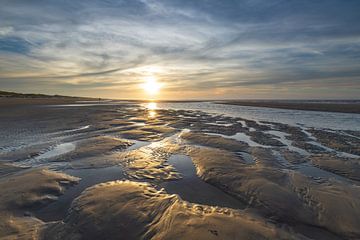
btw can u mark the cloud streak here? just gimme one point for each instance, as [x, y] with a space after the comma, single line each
[104, 47]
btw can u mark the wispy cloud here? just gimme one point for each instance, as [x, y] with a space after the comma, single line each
[256, 46]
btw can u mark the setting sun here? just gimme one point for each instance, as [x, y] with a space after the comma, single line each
[151, 86]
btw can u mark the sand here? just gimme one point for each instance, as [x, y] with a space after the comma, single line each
[283, 194]
[340, 142]
[214, 141]
[149, 162]
[23, 192]
[286, 196]
[138, 211]
[347, 167]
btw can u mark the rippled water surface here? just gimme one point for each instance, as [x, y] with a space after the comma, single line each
[317, 119]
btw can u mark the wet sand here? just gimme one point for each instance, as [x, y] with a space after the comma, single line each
[184, 174]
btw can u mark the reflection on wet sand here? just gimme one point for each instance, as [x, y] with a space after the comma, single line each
[217, 173]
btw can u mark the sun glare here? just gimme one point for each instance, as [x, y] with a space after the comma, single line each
[151, 106]
[151, 86]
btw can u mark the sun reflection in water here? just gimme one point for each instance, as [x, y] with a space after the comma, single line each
[151, 107]
[152, 114]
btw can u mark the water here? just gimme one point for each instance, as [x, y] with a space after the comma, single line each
[191, 188]
[309, 170]
[282, 138]
[316, 119]
[246, 157]
[58, 150]
[242, 137]
[89, 177]
[137, 144]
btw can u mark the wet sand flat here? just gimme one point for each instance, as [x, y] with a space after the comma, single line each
[79, 169]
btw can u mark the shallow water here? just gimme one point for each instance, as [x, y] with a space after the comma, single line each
[246, 157]
[311, 171]
[191, 188]
[58, 150]
[242, 137]
[89, 177]
[282, 138]
[316, 119]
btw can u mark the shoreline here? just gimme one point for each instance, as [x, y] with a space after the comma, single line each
[308, 106]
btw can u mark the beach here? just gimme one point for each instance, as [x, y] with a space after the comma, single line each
[73, 168]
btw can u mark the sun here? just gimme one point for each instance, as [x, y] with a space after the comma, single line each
[151, 86]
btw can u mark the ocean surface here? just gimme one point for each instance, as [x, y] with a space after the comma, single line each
[308, 119]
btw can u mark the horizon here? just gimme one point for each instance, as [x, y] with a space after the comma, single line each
[189, 100]
[182, 50]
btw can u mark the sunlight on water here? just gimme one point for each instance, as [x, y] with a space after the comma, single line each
[151, 107]
[152, 114]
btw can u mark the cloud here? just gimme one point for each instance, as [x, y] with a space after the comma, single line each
[195, 45]
[14, 45]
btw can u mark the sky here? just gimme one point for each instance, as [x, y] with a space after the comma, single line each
[193, 49]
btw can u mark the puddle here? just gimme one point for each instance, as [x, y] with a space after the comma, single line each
[138, 124]
[77, 129]
[281, 160]
[89, 177]
[220, 124]
[310, 136]
[246, 157]
[242, 137]
[137, 144]
[192, 189]
[312, 171]
[330, 150]
[42, 159]
[58, 150]
[243, 123]
[281, 136]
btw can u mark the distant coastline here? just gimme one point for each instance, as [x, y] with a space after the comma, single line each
[343, 106]
[346, 106]
[11, 98]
